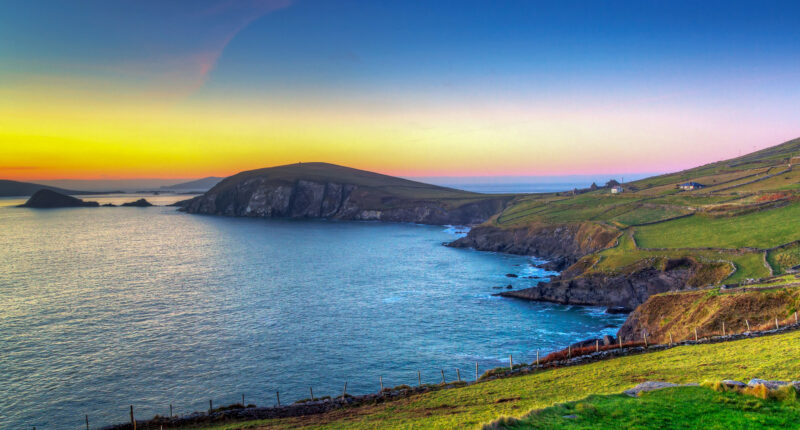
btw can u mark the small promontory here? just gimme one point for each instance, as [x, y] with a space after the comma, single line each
[49, 199]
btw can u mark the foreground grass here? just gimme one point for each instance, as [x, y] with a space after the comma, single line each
[674, 408]
[772, 357]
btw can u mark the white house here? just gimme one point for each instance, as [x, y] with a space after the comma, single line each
[689, 186]
[616, 189]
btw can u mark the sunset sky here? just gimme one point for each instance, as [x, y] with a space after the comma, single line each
[184, 89]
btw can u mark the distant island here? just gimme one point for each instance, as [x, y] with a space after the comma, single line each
[49, 199]
[21, 189]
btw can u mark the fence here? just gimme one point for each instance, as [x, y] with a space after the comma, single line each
[565, 357]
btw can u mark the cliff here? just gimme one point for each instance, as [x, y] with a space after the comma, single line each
[49, 199]
[320, 190]
[561, 244]
[621, 291]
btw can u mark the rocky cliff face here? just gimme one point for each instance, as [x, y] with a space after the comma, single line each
[259, 197]
[563, 245]
[625, 291]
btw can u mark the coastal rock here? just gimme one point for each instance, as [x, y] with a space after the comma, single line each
[733, 384]
[649, 386]
[618, 291]
[562, 245]
[141, 203]
[772, 385]
[49, 199]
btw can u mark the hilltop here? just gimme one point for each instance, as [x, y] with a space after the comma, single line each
[203, 184]
[322, 190]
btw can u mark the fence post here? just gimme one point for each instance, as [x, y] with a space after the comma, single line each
[645, 339]
[380, 378]
[344, 391]
[278, 397]
[510, 362]
[419, 378]
[443, 382]
[210, 406]
[795, 317]
[170, 411]
[695, 334]
[243, 405]
[723, 328]
[620, 342]
[87, 421]
[537, 357]
[776, 323]
[476, 370]
[133, 421]
[311, 390]
[670, 338]
[569, 351]
[748, 325]
[458, 374]
[597, 345]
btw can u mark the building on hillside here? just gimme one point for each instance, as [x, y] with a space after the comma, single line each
[616, 189]
[794, 161]
[689, 186]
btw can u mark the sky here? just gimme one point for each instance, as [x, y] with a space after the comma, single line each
[97, 89]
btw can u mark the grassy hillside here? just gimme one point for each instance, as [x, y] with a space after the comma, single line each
[772, 357]
[680, 313]
[750, 205]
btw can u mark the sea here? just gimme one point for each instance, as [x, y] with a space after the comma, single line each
[104, 308]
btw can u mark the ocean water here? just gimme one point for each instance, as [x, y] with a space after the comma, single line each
[102, 308]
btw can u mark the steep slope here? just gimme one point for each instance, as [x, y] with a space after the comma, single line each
[322, 190]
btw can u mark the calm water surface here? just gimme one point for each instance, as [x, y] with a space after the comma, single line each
[101, 308]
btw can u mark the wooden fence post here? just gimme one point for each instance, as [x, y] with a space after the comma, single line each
[670, 338]
[243, 404]
[776, 323]
[443, 382]
[419, 378]
[569, 351]
[458, 374]
[510, 362]
[87, 421]
[170, 411]
[537, 357]
[723, 328]
[695, 334]
[645, 339]
[311, 390]
[380, 378]
[210, 406]
[278, 397]
[748, 325]
[344, 391]
[476, 370]
[133, 421]
[597, 345]
[795, 317]
[620, 342]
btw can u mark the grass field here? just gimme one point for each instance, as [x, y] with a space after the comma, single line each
[772, 357]
[675, 408]
[762, 229]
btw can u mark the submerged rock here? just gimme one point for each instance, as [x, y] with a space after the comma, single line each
[49, 199]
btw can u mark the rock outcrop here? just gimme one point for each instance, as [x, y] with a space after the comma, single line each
[262, 197]
[562, 245]
[49, 199]
[141, 203]
[614, 291]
